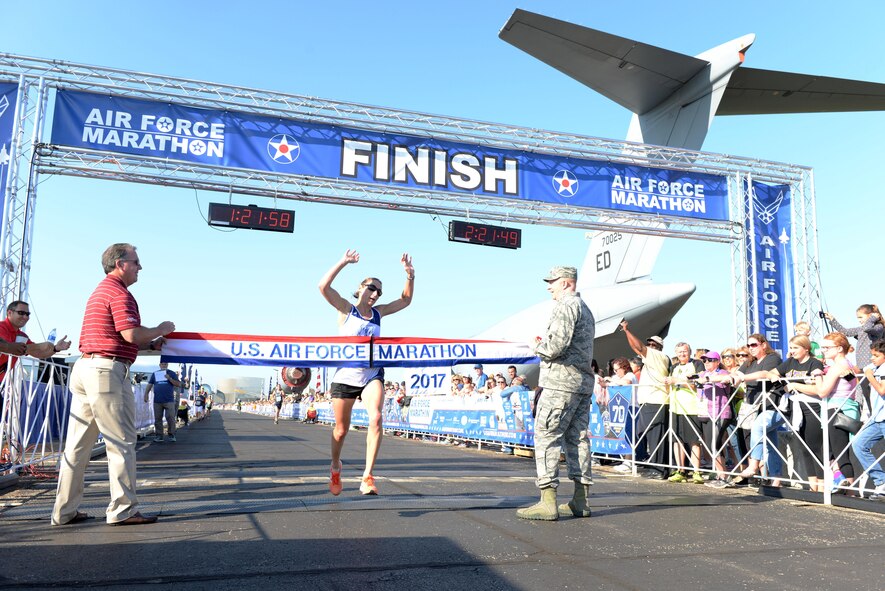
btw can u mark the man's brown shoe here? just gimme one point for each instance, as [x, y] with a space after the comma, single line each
[137, 519]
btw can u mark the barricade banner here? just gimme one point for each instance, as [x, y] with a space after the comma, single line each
[478, 419]
[249, 141]
[144, 411]
[428, 381]
[610, 423]
[279, 351]
[773, 307]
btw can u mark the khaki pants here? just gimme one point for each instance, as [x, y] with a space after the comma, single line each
[561, 427]
[102, 402]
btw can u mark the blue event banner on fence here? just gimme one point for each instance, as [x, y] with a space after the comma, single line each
[506, 420]
[254, 142]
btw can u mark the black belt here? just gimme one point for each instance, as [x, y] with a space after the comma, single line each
[122, 360]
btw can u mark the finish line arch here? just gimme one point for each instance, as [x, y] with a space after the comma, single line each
[151, 129]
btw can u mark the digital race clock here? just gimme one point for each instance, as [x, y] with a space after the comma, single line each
[251, 217]
[484, 234]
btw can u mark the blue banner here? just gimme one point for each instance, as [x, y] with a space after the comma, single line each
[8, 94]
[772, 306]
[611, 422]
[247, 141]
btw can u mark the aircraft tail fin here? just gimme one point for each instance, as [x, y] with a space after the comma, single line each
[618, 257]
[635, 75]
[766, 92]
[674, 96]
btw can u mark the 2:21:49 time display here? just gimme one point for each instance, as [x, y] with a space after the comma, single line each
[488, 235]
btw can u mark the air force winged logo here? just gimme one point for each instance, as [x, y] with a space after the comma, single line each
[565, 183]
[283, 148]
[766, 213]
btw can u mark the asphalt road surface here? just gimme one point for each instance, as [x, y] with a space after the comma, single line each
[244, 504]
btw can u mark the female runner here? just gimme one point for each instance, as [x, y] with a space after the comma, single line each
[350, 383]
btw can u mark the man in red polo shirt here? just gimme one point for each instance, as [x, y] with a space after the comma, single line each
[17, 315]
[103, 400]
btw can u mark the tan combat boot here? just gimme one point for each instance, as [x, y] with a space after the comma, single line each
[578, 506]
[544, 510]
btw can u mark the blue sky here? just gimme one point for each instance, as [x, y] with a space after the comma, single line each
[447, 60]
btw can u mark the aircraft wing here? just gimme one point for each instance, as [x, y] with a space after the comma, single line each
[635, 75]
[752, 91]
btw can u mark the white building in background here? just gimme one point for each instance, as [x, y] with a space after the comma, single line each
[240, 388]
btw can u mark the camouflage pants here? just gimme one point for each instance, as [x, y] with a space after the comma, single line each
[561, 425]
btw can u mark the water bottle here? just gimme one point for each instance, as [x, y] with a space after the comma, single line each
[51, 337]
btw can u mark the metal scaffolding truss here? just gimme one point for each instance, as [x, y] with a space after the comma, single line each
[157, 171]
[39, 77]
[19, 207]
[292, 106]
[803, 246]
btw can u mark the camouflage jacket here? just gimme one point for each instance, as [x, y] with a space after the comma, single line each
[567, 349]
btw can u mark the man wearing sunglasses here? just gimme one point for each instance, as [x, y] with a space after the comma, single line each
[14, 341]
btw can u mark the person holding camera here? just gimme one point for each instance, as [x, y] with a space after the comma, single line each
[686, 408]
[836, 388]
[871, 329]
[763, 435]
[715, 393]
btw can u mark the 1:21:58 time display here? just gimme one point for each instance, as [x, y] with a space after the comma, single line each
[251, 217]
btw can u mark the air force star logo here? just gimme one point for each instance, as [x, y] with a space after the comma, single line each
[565, 183]
[283, 148]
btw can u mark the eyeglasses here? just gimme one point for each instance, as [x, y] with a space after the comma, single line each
[753, 345]
[373, 288]
[728, 356]
[136, 261]
[22, 313]
[707, 359]
[742, 355]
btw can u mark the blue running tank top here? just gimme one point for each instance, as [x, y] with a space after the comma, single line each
[357, 326]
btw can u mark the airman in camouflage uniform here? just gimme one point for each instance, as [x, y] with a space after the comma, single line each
[563, 411]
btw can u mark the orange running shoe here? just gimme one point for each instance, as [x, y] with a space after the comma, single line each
[367, 486]
[335, 480]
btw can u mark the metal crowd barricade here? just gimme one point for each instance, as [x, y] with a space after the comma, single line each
[35, 404]
[798, 459]
[782, 439]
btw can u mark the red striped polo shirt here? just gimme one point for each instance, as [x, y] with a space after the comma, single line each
[110, 309]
